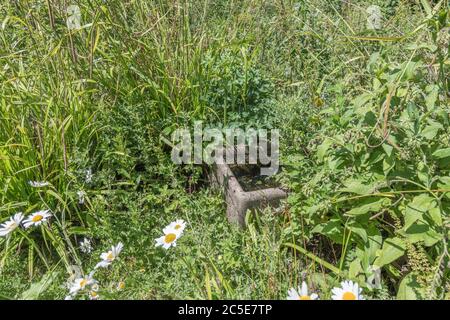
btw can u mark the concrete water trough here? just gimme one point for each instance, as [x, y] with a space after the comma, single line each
[241, 191]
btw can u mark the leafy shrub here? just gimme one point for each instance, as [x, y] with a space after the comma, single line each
[377, 178]
[234, 81]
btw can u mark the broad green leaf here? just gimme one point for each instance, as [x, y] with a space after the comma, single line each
[444, 184]
[430, 131]
[388, 164]
[354, 269]
[431, 98]
[422, 232]
[356, 186]
[373, 244]
[323, 148]
[436, 216]
[388, 149]
[442, 153]
[417, 208]
[393, 248]
[332, 229]
[37, 288]
[410, 289]
[370, 207]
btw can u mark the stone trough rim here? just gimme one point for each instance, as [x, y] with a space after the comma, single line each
[239, 201]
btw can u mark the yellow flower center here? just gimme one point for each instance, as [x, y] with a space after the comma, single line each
[178, 226]
[110, 256]
[83, 283]
[121, 285]
[94, 294]
[169, 238]
[304, 298]
[348, 296]
[37, 218]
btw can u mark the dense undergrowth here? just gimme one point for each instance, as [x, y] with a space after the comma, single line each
[364, 120]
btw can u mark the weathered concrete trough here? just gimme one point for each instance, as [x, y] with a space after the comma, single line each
[237, 198]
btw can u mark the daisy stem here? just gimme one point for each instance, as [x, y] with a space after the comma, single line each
[35, 247]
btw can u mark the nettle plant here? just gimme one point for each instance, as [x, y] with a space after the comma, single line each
[235, 83]
[388, 152]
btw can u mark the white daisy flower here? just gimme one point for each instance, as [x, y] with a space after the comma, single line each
[121, 285]
[301, 294]
[93, 293]
[81, 197]
[35, 219]
[110, 256]
[38, 184]
[85, 246]
[349, 290]
[9, 226]
[82, 283]
[169, 238]
[178, 225]
[69, 297]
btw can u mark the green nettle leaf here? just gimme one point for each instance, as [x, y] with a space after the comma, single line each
[362, 100]
[421, 232]
[388, 164]
[410, 289]
[355, 269]
[393, 248]
[431, 98]
[388, 149]
[333, 229]
[436, 216]
[358, 229]
[357, 186]
[444, 184]
[430, 131]
[370, 207]
[373, 244]
[422, 173]
[417, 208]
[442, 153]
[368, 249]
[323, 148]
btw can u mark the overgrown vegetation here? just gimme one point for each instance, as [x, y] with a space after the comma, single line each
[365, 134]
